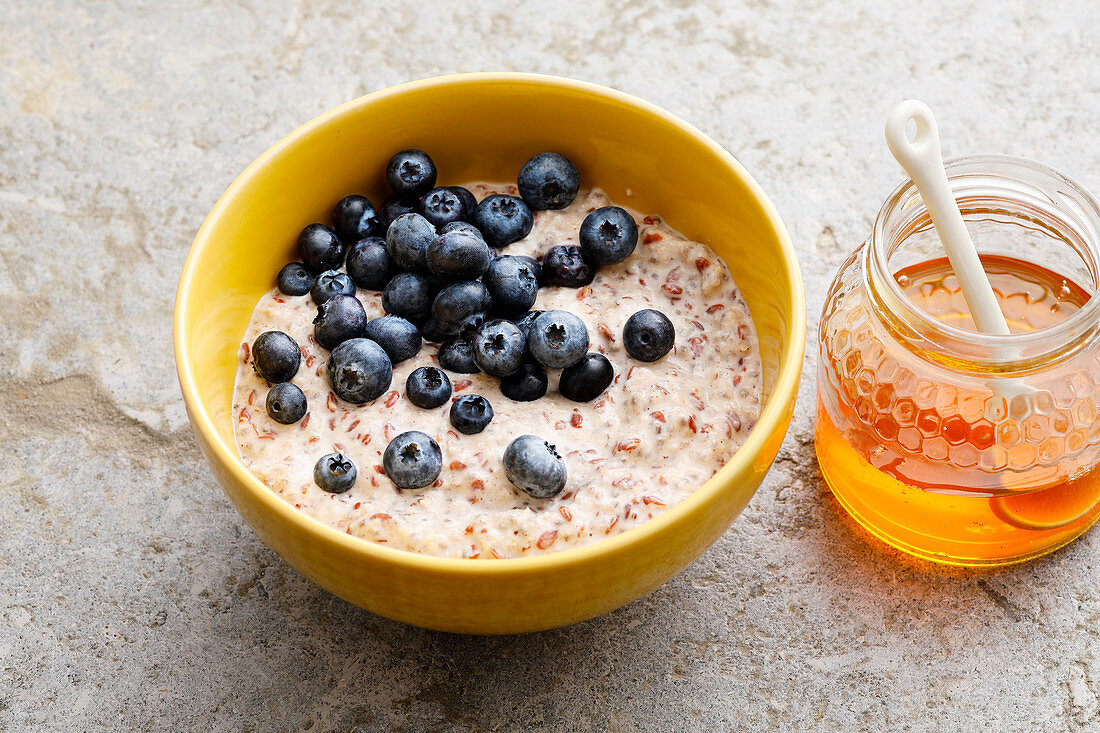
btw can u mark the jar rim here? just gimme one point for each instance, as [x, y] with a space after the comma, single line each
[1000, 347]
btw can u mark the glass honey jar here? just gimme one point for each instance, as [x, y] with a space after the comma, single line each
[949, 444]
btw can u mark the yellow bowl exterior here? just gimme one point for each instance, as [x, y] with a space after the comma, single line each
[484, 126]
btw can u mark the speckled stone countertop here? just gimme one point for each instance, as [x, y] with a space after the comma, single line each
[132, 596]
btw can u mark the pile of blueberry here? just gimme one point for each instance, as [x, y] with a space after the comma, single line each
[432, 251]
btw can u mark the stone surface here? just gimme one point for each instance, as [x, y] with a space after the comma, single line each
[133, 597]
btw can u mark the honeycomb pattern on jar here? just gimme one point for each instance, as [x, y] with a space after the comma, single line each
[919, 408]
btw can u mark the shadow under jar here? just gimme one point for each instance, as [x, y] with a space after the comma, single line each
[949, 444]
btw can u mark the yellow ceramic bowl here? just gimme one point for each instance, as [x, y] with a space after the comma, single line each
[484, 126]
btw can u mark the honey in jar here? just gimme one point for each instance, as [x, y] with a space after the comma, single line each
[950, 444]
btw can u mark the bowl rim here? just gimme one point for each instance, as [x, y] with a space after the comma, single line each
[772, 416]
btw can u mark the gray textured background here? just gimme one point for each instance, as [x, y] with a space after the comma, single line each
[131, 594]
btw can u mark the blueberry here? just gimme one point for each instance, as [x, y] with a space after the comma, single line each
[587, 379]
[499, 348]
[534, 466]
[526, 320]
[471, 413]
[320, 248]
[339, 318]
[294, 279]
[533, 265]
[410, 173]
[412, 460]
[430, 331]
[408, 239]
[441, 206]
[409, 295]
[558, 339]
[355, 218]
[400, 339]
[330, 283]
[457, 355]
[393, 207]
[456, 303]
[469, 201]
[648, 335]
[526, 385]
[286, 403]
[469, 326]
[608, 235]
[461, 226]
[370, 264]
[566, 266]
[548, 181]
[427, 387]
[359, 371]
[458, 256]
[512, 285]
[275, 356]
[334, 473]
[503, 219]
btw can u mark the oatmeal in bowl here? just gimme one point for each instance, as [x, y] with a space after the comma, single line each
[478, 128]
[665, 418]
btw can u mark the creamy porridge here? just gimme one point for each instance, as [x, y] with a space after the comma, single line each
[652, 438]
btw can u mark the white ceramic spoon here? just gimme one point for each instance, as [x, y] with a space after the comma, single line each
[921, 159]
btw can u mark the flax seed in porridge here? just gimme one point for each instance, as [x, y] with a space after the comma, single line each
[655, 435]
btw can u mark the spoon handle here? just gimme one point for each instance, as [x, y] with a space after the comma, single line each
[922, 160]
